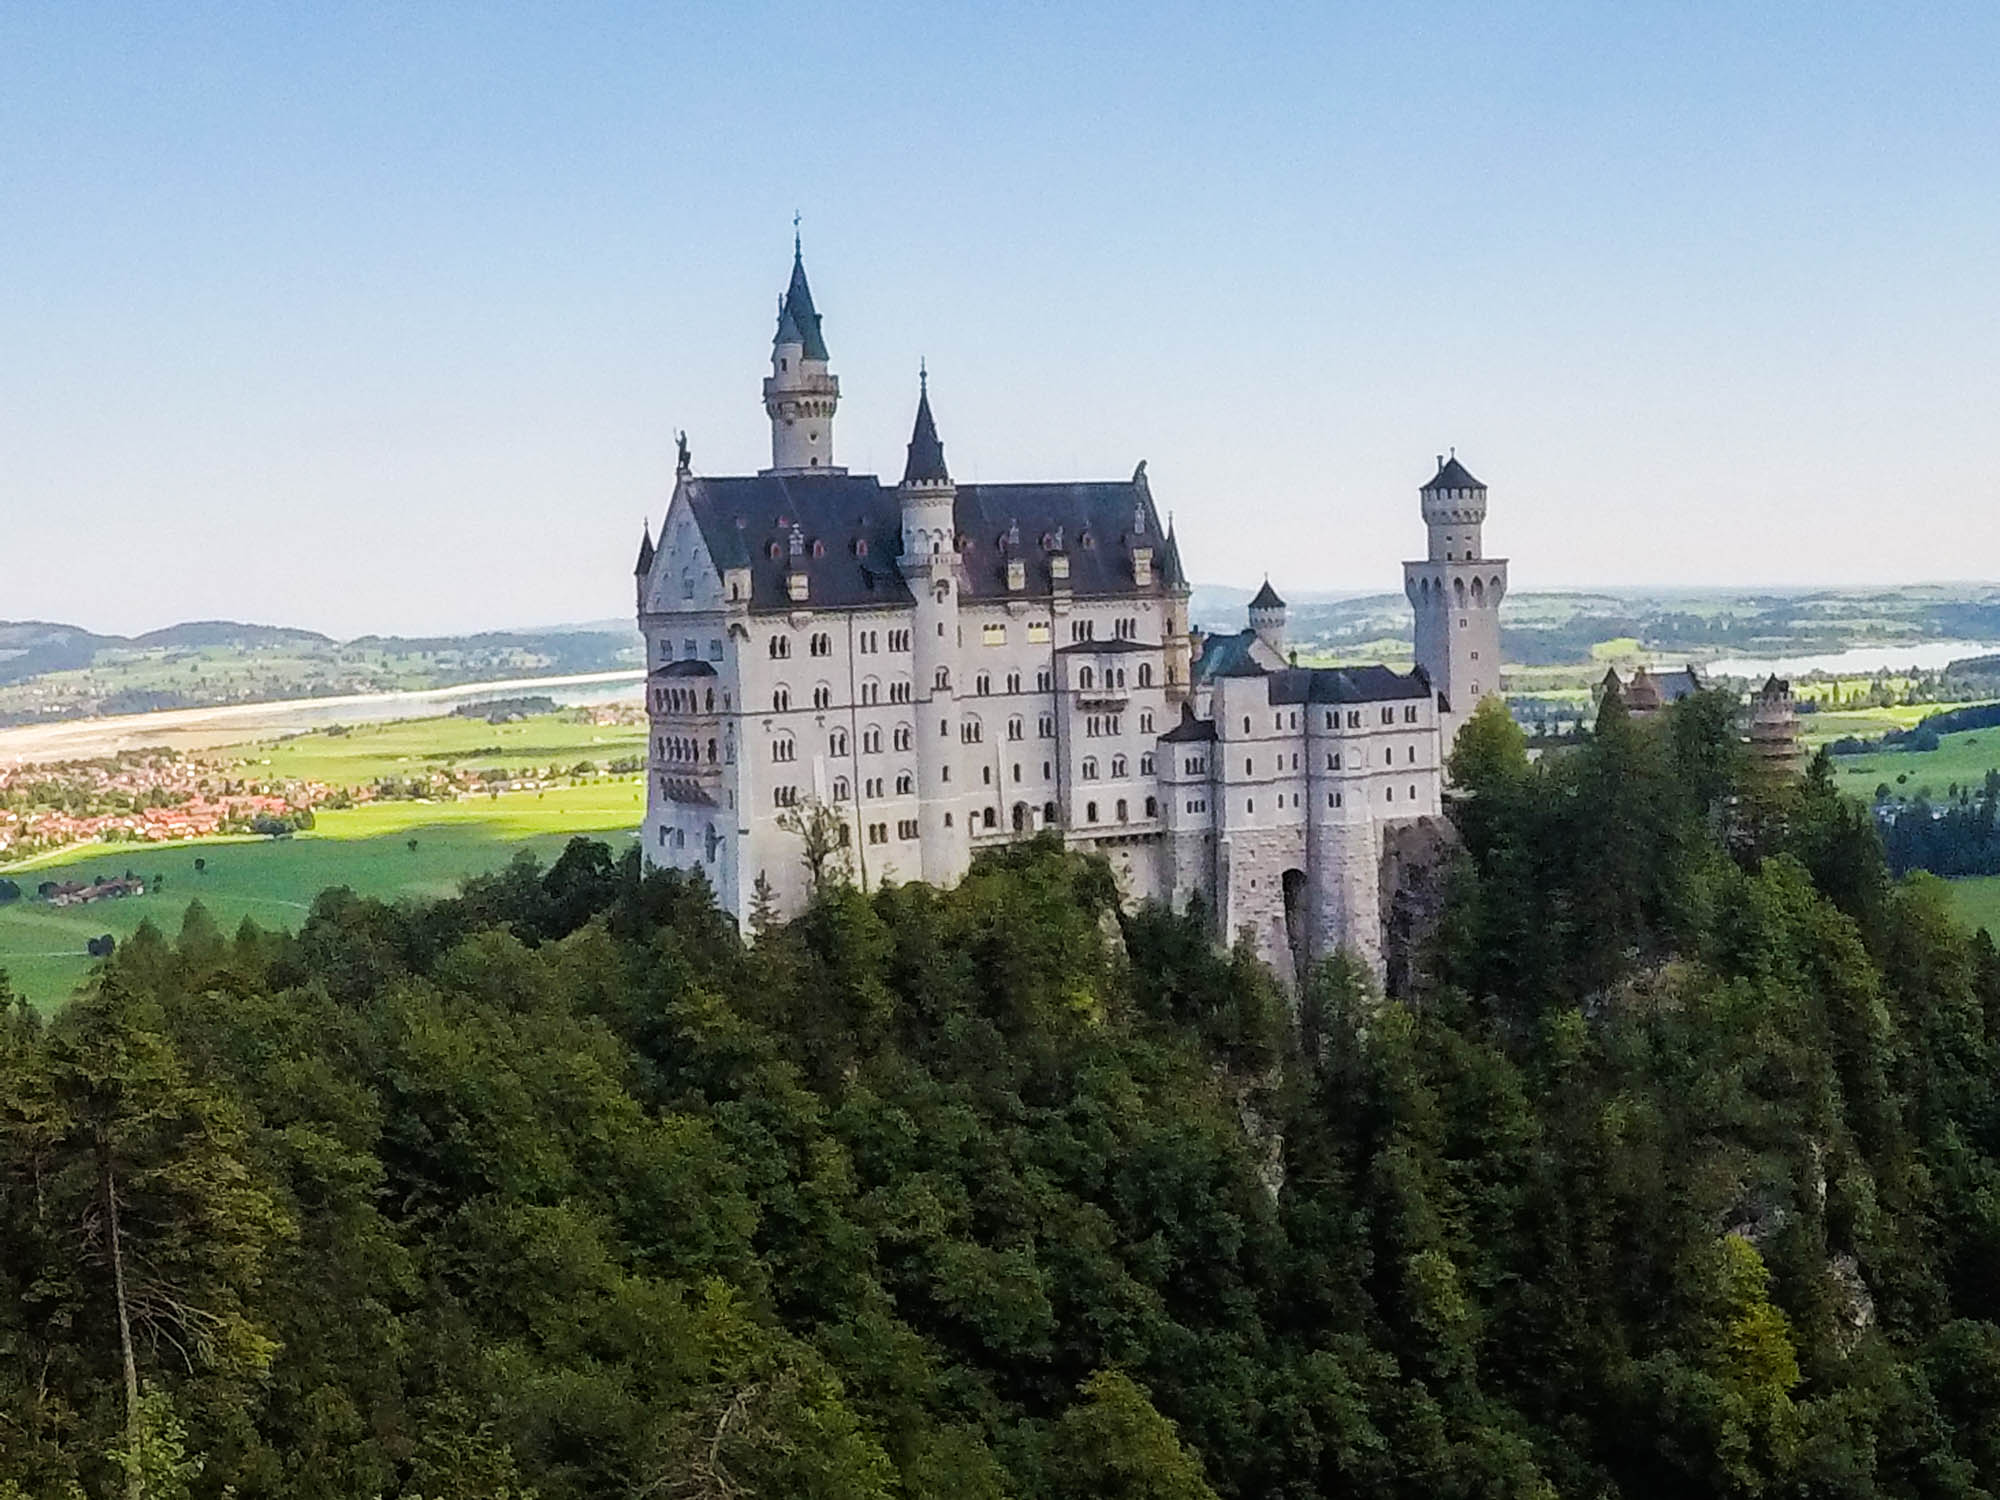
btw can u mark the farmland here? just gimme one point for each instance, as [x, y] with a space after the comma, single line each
[274, 881]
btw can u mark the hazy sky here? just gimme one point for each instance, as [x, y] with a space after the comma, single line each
[381, 317]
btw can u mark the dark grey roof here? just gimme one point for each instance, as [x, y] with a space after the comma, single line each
[1225, 655]
[1189, 729]
[1267, 598]
[686, 667]
[1097, 648]
[852, 526]
[796, 315]
[1453, 475]
[645, 564]
[926, 461]
[1093, 523]
[1347, 685]
[1675, 686]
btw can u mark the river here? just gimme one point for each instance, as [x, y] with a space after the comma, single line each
[228, 724]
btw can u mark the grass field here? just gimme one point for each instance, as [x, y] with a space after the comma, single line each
[366, 848]
[1962, 759]
[411, 746]
[1977, 901]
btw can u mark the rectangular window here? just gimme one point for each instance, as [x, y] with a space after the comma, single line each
[993, 635]
[1038, 632]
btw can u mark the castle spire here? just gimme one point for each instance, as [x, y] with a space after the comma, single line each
[926, 461]
[645, 552]
[800, 394]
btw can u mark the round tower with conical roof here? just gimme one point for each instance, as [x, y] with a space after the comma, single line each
[1456, 593]
[800, 394]
[930, 568]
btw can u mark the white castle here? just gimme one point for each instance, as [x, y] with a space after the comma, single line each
[945, 667]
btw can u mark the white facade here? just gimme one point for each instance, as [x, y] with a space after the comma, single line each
[947, 667]
[1456, 592]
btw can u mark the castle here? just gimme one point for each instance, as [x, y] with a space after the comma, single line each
[927, 668]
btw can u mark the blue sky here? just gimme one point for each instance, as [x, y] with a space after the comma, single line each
[381, 317]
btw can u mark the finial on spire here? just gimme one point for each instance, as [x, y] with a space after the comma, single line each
[798, 248]
[923, 377]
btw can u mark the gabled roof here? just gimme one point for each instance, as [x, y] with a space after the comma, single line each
[925, 464]
[852, 525]
[798, 320]
[1267, 598]
[1453, 475]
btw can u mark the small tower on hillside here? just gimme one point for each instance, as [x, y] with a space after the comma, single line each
[800, 394]
[930, 568]
[1772, 727]
[1267, 618]
[1456, 592]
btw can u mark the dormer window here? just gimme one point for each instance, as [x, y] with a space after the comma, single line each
[819, 549]
[776, 552]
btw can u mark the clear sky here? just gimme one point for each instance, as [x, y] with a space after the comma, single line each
[381, 317]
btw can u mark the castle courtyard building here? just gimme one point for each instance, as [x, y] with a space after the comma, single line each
[943, 667]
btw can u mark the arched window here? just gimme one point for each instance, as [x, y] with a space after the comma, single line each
[871, 742]
[784, 748]
[1117, 767]
[1121, 810]
[903, 736]
[781, 648]
[822, 696]
[840, 789]
[1014, 728]
[906, 784]
[1084, 678]
[1049, 813]
[836, 742]
[1089, 771]
[1152, 807]
[1458, 591]
[708, 701]
[781, 700]
[942, 680]
[1090, 812]
[871, 690]
[1145, 674]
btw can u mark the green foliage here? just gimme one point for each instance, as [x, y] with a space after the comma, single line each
[1676, 1176]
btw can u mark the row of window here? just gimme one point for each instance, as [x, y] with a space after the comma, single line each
[681, 749]
[1281, 721]
[685, 701]
[1333, 760]
[690, 649]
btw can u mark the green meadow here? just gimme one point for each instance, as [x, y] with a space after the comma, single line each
[1961, 759]
[408, 747]
[1977, 901]
[274, 881]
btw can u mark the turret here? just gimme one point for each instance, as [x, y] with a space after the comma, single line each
[930, 568]
[800, 395]
[1267, 618]
[1454, 507]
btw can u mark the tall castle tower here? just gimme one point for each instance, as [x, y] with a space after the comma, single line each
[800, 395]
[1456, 593]
[929, 503]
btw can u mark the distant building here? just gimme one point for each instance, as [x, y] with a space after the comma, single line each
[1649, 692]
[948, 666]
[1772, 727]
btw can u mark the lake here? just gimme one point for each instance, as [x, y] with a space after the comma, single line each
[1855, 661]
[227, 724]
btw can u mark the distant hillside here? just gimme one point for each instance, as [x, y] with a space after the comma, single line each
[52, 671]
[230, 633]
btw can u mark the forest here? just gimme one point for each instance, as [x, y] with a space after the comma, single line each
[1673, 1169]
